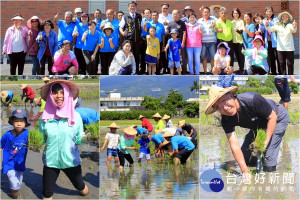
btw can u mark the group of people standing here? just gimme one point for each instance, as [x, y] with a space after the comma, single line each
[126, 44]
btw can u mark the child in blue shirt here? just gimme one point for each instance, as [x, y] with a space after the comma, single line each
[8, 95]
[14, 144]
[144, 149]
[174, 53]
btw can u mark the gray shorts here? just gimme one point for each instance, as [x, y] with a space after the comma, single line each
[141, 156]
[271, 154]
[15, 179]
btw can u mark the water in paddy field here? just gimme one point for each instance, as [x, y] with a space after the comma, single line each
[156, 180]
[215, 153]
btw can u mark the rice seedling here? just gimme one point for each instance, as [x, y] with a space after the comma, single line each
[289, 166]
[282, 197]
[260, 197]
[35, 139]
[92, 167]
[94, 129]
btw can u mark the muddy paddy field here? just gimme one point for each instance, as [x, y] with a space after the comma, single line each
[215, 153]
[156, 180]
[32, 181]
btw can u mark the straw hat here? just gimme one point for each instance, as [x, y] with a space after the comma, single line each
[23, 86]
[113, 125]
[130, 131]
[166, 142]
[215, 93]
[168, 134]
[4, 94]
[46, 79]
[157, 115]
[166, 117]
[181, 123]
[37, 100]
[108, 26]
[133, 126]
[72, 86]
[287, 13]
[212, 7]
[141, 116]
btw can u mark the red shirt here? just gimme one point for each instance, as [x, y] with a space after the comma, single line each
[29, 92]
[147, 125]
[47, 51]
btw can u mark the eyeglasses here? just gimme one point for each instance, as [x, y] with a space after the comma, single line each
[165, 8]
[34, 21]
[222, 104]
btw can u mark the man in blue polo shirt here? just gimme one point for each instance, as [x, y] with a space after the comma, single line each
[182, 147]
[159, 145]
[88, 115]
[65, 28]
[160, 34]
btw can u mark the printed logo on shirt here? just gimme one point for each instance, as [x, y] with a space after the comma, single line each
[66, 61]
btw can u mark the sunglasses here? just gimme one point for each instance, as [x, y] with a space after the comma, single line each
[34, 21]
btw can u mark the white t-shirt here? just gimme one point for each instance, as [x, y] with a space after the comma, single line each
[113, 140]
[17, 42]
[222, 61]
[162, 19]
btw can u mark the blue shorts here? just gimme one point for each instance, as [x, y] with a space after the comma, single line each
[208, 50]
[151, 59]
[112, 152]
[282, 86]
[171, 64]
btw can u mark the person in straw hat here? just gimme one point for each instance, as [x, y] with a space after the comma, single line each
[158, 140]
[62, 129]
[168, 121]
[192, 132]
[249, 110]
[146, 123]
[160, 124]
[140, 130]
[182, 147]
[15, 45]
[112, 138]
[285, 41]
[46, 79]
[8, 96]
[126, 145]
[28, 93]
[39, 102]
[214, 10]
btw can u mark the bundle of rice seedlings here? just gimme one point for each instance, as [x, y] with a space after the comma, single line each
[94, 129]
[35, 139]
[260, 140]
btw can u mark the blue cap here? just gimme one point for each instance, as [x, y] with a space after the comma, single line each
[19, 113]
[174, 31]
[145, 133]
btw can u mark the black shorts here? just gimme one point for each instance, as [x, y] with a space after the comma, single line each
[50, 176]
[183, 155]
[258, 70]
[65, 72]
[27, 99]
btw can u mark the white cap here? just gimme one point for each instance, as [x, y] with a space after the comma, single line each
[34, 17]
[78, 10]
[17, 17]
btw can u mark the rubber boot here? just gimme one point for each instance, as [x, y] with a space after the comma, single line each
[14, 194]
[84, 191]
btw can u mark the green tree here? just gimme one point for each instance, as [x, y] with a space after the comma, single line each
[173, 101]
[254, 82]
[196, 87]
[152, 103]
[294, 87]
[269, 83]
[13, 78]
[192, 110]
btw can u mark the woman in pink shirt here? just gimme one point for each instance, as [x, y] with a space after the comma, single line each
[15, 45]
[65, 61]
[34, 25]
[193, 43]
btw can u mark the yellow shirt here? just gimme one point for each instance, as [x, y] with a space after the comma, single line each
[153, 47]
[236, 37]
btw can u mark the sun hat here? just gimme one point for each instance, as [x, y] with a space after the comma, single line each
[181, 123]
[174, 30]
[84, 14]
[4, 94]
[37, 100]
[141, 116]
[23, 86]
[17, 17]
[188, 8]
[130, 130]
[167, 134]
[212, 7]
[166, 117]
[157, 115]
[46, 79]
[19, 113]
[214, 94]
[78, 10]
[113, 125]
[260, 38]
[72, 86]
[285, 12]
[108, 26]
[226, 46]
[33, 17]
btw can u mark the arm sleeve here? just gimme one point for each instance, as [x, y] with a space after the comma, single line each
[5, 40]
[174, 144]
[264, 53]
[3, 141]
[80, 132]
[42, 130]
[227, 124]
[261, 106]
[179, 46]
[121, 61]
[55, 42]
[247, 52]
[106, 136]
[122, 143]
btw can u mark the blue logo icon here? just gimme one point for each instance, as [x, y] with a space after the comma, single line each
[211, 181]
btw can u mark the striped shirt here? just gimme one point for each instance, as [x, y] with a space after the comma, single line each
[208, 31]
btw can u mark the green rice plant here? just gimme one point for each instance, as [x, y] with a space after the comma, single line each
[260, 140]
[15, 99]
[260, 197]
[35, 139]
[282, 197]
[289, 166]
[94, 129]
[294, 117]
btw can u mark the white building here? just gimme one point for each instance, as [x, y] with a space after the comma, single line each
[213, 80]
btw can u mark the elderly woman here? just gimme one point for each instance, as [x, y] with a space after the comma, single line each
[62, 129]
[285, 41]
[65, 61]
[123, 62]
[47, 39]
[15, 45]
[34, 25]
